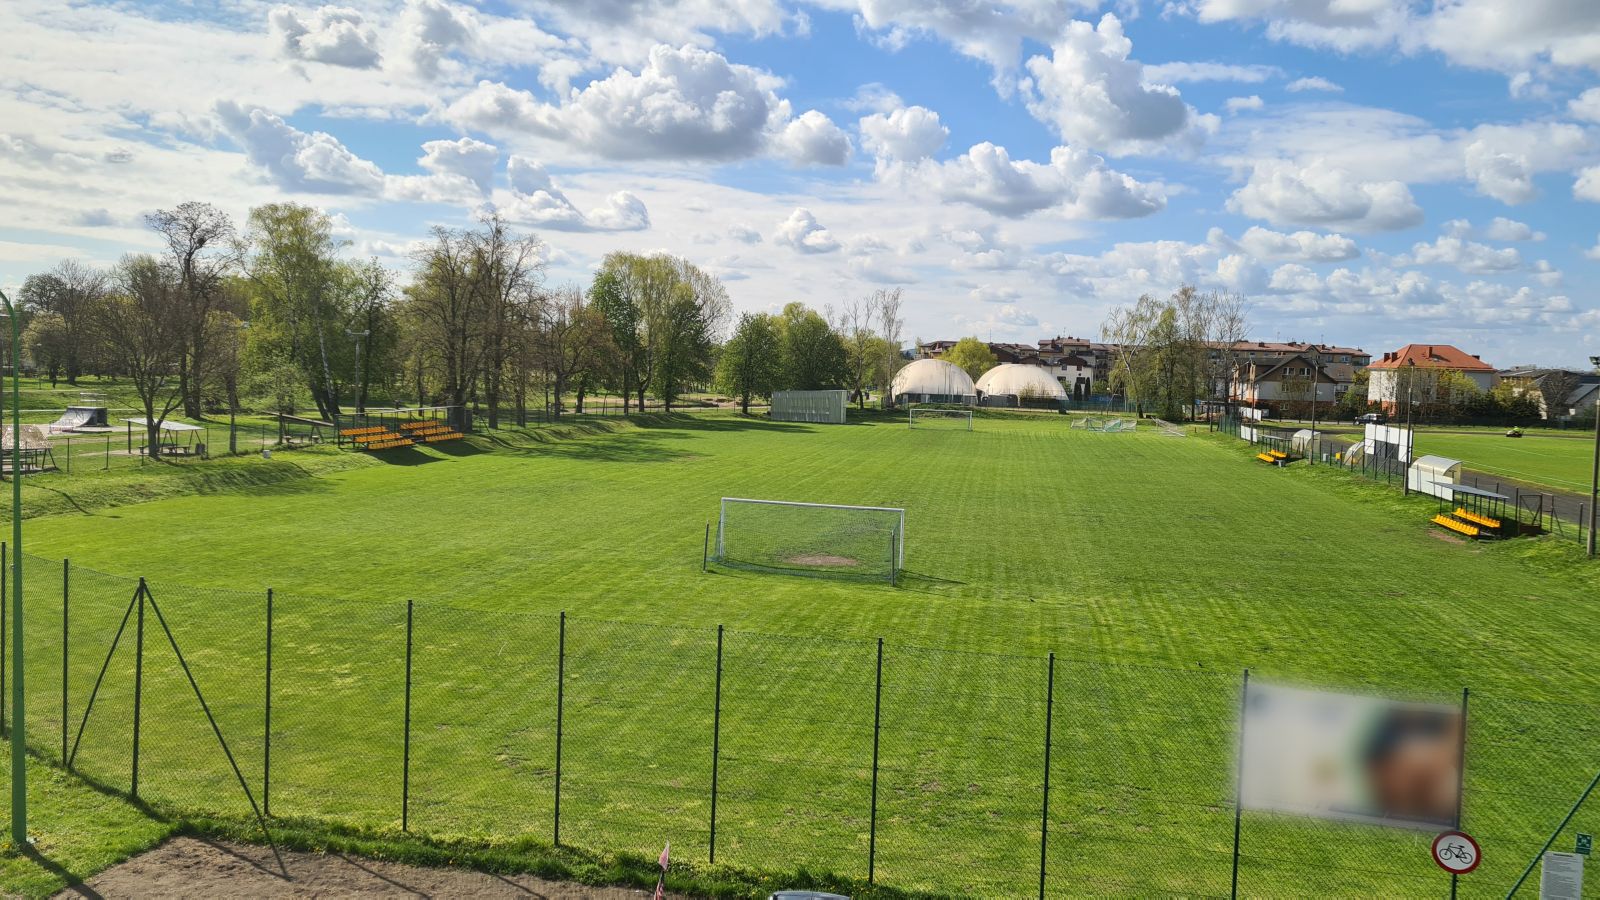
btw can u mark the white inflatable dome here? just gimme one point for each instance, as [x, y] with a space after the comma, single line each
[1021, 381]
[932, 378]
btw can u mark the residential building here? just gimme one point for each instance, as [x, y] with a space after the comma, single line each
[1418, 367]
[1580, 389]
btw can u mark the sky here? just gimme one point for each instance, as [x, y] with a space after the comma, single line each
[1364, 172]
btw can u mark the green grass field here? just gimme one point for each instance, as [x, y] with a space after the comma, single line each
[1157, 568]
[1559, 459]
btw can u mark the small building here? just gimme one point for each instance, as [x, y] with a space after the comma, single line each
[1435, 476]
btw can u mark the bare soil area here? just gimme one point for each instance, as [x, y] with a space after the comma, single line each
[196, 867]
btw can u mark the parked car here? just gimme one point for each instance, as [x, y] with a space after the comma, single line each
[1372, 419]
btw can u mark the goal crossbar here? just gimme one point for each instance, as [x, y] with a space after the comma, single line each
[898, 537]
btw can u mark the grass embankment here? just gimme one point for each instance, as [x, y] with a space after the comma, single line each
[1156, 567]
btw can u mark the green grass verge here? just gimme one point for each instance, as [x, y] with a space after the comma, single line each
[77, 830]
[1156, 567]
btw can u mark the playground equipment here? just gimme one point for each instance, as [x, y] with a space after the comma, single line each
[91, 419]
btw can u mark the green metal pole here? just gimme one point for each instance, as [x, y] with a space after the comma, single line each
[1553, 835]
[19, 736]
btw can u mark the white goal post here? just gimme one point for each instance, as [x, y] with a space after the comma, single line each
[811, 538]
[926, 415]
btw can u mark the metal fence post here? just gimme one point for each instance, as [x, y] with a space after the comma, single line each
[138, 686]
[1044, 819]
[1461, 777]
[66, 566]
[405, 762]
[561, 686]
[705, 548]
[266, 725]
[877, 722]
[1238, 784]
[716, 743]
[5, 566]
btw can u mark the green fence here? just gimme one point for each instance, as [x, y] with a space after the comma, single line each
[925, 769]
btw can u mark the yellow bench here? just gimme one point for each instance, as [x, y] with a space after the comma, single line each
[1266, 457]
[1458, 527]
[1477, 519]
[1278, 454]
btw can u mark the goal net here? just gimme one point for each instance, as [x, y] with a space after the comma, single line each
[935, 417]
[811, 538]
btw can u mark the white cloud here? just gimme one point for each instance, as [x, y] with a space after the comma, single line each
[685, 103]
[1318, 194]
[314, 162]
[904, 134]
[1237, 104]
[1305, 246]
[1511, 34]
[1468, 256]
[1093, 94]
[744, 234]
[430, 30]
[803, 233]
[1075, 182]
[1593, 252]
[991, 31]
[1587, 187]
[1313, 83]
[991, 293]
[470, 159]
[812, 139]
[334, 35]
[535, 200]
[1180, 72]
[1506, 177]
[1586, 105]
[1503, 229]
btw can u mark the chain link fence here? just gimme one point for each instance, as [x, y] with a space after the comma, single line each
[959, 773]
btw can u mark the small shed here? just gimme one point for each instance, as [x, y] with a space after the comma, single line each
[1436, 476]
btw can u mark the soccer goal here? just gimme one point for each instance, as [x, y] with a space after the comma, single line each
[938, 417]
[825, 539]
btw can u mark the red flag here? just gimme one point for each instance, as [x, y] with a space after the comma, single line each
[661, 880]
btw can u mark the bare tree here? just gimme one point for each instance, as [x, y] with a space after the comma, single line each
[143, 324]
[568, 337]
[1554, 388]
[510, 270]
[71, 291]
[202, 253]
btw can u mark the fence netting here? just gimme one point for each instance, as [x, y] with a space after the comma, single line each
[923, 769]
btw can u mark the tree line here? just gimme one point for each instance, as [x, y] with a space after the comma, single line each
[274, 309]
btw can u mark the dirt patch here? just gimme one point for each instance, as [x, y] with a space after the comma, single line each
[1447, 538]
[822, 559]
[196, 867]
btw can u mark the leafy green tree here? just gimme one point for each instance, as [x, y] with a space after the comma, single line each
[972, 356]
[665, 315]
[49, 343]
[72, 292]
[750, 364]
[812, 355]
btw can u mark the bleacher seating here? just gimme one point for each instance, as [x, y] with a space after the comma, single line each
[1457, 525]
[1477, 519]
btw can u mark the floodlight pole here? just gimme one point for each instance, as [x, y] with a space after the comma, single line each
[19, 734]
[1316, 366]
[1594, 478]
[1405, 480]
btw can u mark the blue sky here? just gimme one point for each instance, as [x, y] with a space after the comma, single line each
[1369, 172]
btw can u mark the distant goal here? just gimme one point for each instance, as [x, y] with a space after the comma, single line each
[939, 417]
[819, 539]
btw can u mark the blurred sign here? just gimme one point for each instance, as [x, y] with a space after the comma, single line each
[1585, 843]
[1344, 756]
[1456, 852]
[1561, 877]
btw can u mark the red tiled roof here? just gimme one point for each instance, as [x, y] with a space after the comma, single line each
[1433, 356]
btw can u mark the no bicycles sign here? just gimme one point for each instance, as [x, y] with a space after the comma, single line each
[1456, 852]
